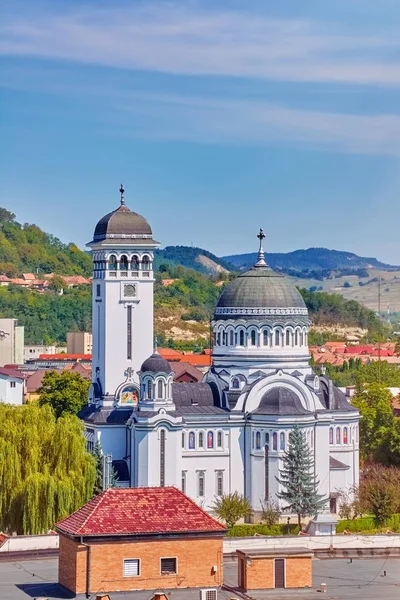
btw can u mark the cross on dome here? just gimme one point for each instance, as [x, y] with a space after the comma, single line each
[122, 191]
[261, 259]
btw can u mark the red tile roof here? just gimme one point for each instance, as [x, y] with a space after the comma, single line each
[181, 368]
[198, 360]
[139, 511]
[65, 357]
[13, 373]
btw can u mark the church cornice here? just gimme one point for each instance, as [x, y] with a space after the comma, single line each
[226, 310]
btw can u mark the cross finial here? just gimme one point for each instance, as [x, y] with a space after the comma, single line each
[122, 191]
[156, 344]
[261, 259]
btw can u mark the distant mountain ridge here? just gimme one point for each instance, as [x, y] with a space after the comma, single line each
[310, 259]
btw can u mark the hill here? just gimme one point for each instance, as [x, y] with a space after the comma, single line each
[193, 258]
[26, 248]
[309, 260]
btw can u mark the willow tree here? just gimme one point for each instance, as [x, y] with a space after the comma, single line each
[45, 471]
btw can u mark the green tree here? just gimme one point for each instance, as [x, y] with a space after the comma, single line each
[65, 392]
[232, 507]
[378, 424]
[379, 492]
[297, 478]
[45, 471]
[270, 511]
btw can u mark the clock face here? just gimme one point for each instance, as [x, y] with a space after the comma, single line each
[130, 291]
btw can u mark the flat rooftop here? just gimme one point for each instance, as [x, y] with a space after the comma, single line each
[363, 579]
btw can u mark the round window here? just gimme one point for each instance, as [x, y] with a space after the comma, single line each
[130, 291]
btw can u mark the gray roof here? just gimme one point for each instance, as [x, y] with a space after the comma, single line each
[280, 401]
[261, 287]
[121, 221]
[193, 394]
[335, 464]
[156, 364]
[101, 416]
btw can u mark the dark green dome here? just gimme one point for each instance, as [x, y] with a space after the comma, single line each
[261, 287]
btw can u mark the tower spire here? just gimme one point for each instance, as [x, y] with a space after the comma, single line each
[122, 191]
[261, 258]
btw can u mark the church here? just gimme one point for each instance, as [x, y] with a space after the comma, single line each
[229, 432]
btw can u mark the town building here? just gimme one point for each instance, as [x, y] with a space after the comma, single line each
[230, 431]
[140, 539]
[33, 351]
[11, 342]
[79, 342]
[12, 386]
[274, 569]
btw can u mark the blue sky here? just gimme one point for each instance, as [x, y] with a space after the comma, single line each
[219, 117]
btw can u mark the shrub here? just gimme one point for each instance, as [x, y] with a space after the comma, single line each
[273, 530]
[232, 507]
[270, 511]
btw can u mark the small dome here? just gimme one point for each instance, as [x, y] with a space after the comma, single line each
[260, 287]
[121, 223]
[156, 364]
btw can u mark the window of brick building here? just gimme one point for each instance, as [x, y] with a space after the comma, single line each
[131, 567]
[168, 566]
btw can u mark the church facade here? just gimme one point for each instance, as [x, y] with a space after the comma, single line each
[229, 432]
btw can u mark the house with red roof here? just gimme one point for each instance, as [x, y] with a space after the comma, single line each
[128, 539]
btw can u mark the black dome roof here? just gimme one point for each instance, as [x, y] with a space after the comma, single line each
[261, 287]
[121, 222]
[156, 364]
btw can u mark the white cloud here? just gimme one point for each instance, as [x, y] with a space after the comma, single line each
[187, 40]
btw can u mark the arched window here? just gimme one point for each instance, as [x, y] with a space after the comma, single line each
[338, 436]
[231, 337]
[135, 263]
[218, 338]
[265, 337]
[192, 440]
[274, 441]
[112, 263]
[162, 458]
[301, 338]
[267, 439]
[258, 440]
[345, 435]
[201, 439]
[287, 342]
[145, 263]
[253, 338]
[210, 439]
[241, 338]
[235, 383]
[331, 435]
[219, 439]
[296, 337]
[277, 337]
[183, 440]
[281, 441]
[123, 263]
[160, 388]
[150, 389]
[224, 338]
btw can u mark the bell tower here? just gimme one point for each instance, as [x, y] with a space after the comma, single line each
[122, 311]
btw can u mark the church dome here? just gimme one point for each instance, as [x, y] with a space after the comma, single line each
[260, 287]
[122, 223]
[156, 364]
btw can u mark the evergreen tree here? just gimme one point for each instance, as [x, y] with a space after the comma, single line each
[297, 478]
[45, 471]
[99, 458]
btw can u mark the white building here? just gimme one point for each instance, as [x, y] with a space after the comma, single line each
[230, 431]
[12, 386]
[33, 351]
[11, 342]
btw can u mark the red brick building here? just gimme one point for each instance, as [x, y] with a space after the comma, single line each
[140, 539]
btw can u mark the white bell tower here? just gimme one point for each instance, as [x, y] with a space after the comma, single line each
[122, 320]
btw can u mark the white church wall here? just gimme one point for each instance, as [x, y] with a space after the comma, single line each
[321, 457]
[208, 465]
[113, 440]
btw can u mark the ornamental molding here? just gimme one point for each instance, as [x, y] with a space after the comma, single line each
[260, 311]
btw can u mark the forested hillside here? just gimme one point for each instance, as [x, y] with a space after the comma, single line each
[26, 248]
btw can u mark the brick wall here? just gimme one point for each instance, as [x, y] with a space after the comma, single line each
[261, 573]
[195, 559]
[299, 572]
